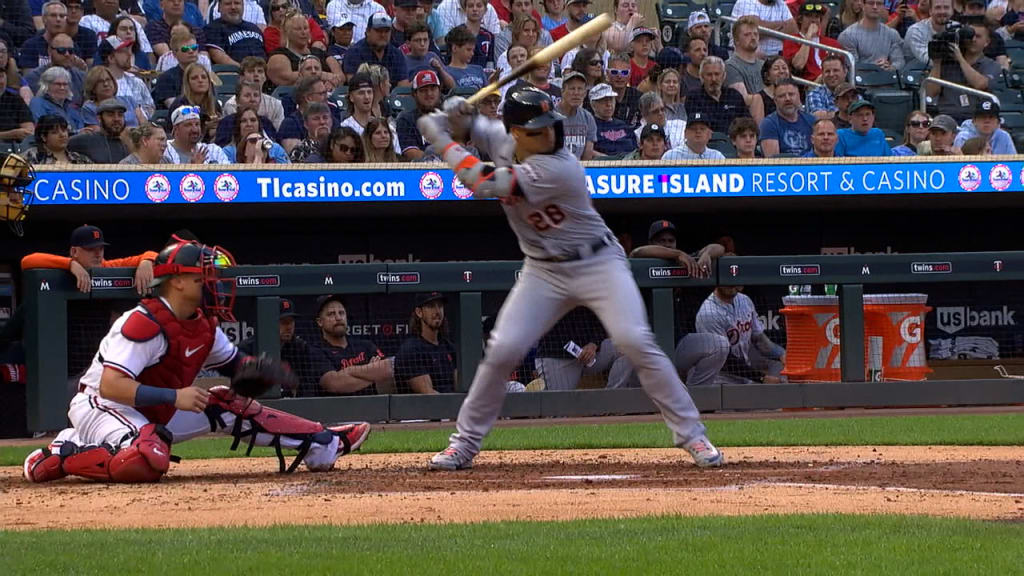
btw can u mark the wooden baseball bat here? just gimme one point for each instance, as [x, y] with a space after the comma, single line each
[554, 50]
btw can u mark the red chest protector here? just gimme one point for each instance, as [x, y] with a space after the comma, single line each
[189, 343]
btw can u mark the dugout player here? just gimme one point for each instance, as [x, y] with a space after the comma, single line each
[730, 313]
[355, 366]
[698, 357]
[307, 363]
[572, 259]
[87, 251]
[138, 397]
[576, 345]
[425, 363]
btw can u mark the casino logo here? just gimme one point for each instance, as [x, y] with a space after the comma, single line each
[460, 189]
[969, 178]
[192, 188]
[431, 185]
[226, 187]
[1000, 177]
[158, 187]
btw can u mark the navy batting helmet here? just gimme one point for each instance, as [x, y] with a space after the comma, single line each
[530, 108]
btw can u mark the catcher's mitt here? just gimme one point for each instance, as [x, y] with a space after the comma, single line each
[257, 374]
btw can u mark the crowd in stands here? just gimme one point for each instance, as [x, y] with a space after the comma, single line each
[344, 81]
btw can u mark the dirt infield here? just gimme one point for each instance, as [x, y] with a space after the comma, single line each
[975, 482]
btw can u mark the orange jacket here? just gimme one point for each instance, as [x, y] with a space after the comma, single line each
[43, 260]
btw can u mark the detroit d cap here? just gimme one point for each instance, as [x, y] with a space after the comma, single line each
[425, 298]
[659, 226]
[287, 309]
[87, 237]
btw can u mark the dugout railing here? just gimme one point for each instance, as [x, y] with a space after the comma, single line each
[47, 294]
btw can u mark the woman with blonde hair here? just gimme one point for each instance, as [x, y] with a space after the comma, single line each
[377, 141]
[381, 79]
[149, 143]
[283, 63]
[100, 85]
[197, 90]
[670, 88]
[273, 34]
[915, 135]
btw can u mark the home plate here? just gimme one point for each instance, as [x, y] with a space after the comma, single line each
[595, 477]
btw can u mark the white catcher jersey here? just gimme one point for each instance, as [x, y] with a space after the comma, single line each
[555, 217]
[737, 321]
[132, 358]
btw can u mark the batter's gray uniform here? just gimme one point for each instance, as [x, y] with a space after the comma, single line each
[738, 322]
[572, 259]
[698, 357]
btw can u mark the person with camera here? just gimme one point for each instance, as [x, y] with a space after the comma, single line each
[250, 144]
[920, 35]
[959, 56]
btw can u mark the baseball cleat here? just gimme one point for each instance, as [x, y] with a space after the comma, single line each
[351, 436]
[450, 459]
[43, 466]
[704, 453]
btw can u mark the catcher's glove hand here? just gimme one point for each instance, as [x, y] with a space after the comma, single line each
[258, 374]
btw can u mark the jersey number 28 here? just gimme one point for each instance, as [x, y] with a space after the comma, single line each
[547, 217]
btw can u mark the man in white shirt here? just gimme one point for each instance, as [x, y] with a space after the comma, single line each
[360, 100]
[186, 147]
[698, 134]
[106, 12]
[772, 14]
[356, 12]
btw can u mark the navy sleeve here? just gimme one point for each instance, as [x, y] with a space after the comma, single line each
[86, 42]
[290, 128]
[216, 35]
[18, 22]
[408, 134]
[168, 85]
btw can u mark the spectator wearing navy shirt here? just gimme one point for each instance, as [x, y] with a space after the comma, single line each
[407, 13]
[168, 84]
[862, 138]
[788, 129]
[158, 29]
[486, 42]
[34, 52]
[614, 137]
[229, 39]
[376, 48]
[425, 363]
[16, 22]
[426, 91]
[61, 53]
[419, 57]
[341, 38]
[718, 103]
[85, 39]
[462, 44]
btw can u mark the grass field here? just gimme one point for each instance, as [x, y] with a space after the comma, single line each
[673, 545]
[951, 430]
[796, 544]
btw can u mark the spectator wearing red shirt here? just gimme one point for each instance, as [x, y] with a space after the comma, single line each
[640, 64]
[806, 61]
[504, 10]
[578, 15]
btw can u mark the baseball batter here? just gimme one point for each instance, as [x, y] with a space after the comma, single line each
[138, 396]
[572, 259]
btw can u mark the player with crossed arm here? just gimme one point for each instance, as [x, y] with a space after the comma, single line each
[731, 313]
[572, 259]
[138, 395]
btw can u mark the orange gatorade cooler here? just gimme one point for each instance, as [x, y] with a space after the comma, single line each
[899, 320]
[812, 338]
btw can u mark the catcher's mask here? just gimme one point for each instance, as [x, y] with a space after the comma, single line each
[208, 262]
[15, 176]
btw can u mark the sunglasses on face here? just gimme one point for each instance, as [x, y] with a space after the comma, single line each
[189, 48]
[277, 7]
[813, 8]
[618, 72]
[595, 62]
[64, 51]
[344, 148]
[920, 123]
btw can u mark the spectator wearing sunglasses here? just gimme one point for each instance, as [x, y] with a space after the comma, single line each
[34, 51]
[915, 134]
[187, 146]
[627, 99]
[806, 61]
[186, 52]
[61, 54]
[343, 146]
[273, 36]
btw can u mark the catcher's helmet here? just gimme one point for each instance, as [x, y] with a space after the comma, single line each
[208, 262]
[15, 176]
[530, 108]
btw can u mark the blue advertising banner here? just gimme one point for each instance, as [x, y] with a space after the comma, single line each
[299, 184]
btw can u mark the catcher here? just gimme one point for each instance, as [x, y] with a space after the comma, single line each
[138, 397]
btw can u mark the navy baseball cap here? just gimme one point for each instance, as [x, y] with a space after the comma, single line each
[698, 118]
[326, 299]
[87, 237]
[287, 309]
[427, 297]
[658, 227]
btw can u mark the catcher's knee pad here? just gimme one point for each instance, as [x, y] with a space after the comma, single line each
[146, 459]
[264, 420]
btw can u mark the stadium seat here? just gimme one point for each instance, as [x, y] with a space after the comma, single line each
[464, 91]
[723, 146]
[339, 94]
[891, 108]
[226, 68]
[281, 91]
[162, 118]
[1013, 123]
[228, 83]
[1010, 100]
[871, 76]
[400, 103]
[912, 75]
